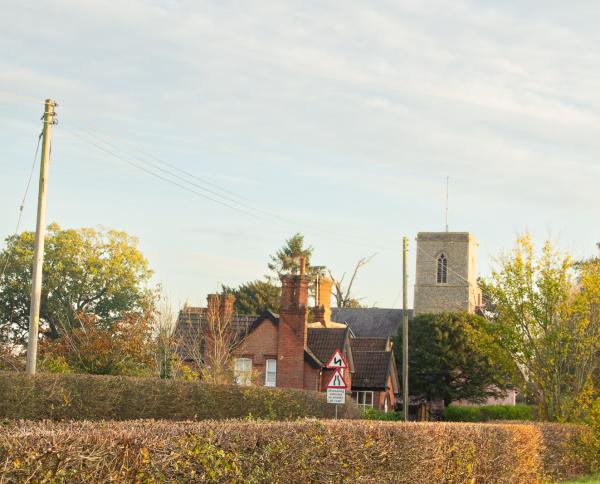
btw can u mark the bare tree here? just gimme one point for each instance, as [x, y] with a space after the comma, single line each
[207, 340]
[165, 354]
[189, 340]
[343, 296]
[222, 338]
[10, 357]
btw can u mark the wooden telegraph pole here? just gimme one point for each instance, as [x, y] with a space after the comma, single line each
[405, 327]
[40, 233]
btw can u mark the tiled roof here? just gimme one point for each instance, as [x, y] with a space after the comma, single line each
[324, 341]
[312, 359]
[194, 315]
[377, 322]
[369, 344]
[274, 317]
[371, 369]
[192, 322]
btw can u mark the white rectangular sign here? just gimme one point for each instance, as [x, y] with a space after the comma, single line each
[336, 395]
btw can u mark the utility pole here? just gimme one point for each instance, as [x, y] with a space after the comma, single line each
[405, 327]
[40, 233]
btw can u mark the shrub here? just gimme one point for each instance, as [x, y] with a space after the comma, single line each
[96, 397]
[301, 451]
[566, 449]
[487, 413]
[462, 414]
[374, 414]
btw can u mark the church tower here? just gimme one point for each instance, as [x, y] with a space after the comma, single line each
[446, 276]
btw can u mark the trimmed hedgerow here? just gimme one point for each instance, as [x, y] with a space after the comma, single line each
[95, 397]
[485, 413]
[374, 414]
[300, 451]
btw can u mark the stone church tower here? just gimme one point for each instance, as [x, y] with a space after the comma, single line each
[446, 275]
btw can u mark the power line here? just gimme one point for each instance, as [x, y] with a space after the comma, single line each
[460, 276]
[156, 158]
[115, 155]
[9, 253]
[228, 200]
[448, 267]
[19, 97]
[174, 175]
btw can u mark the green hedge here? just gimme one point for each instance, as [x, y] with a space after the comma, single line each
[374, 414]
[487, 413]
[301, 451]
[95, 397]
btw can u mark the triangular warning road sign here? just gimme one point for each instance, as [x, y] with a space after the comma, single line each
[337, 360]
[337, 380]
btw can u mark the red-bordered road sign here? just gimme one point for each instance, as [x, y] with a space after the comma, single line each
[337, 380]
[337, 360]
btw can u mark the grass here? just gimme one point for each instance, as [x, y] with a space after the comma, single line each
[593, 479]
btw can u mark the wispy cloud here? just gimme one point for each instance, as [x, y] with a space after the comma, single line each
[345, 116]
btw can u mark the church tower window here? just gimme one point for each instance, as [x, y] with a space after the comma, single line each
[442, 269]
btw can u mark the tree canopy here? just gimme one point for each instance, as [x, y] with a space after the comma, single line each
[94, 271]
[545, 306]
[255, 297]
[454, 356]
[287, 258]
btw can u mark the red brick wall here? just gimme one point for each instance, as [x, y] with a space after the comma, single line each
[290, 349]
[312, 380]
[260, 345]
[292, 335]
[379, 397]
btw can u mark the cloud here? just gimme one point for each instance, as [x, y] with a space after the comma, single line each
[344, 116]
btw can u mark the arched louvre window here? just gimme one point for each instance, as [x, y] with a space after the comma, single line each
[442, 269]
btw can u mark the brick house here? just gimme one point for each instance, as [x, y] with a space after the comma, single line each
[291, 349]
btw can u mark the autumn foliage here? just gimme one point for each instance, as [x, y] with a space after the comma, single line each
[301, 451]
[126, 348]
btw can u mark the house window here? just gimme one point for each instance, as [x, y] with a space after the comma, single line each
[442, 269]
[270, 373]
[243, 371]
[363, 399]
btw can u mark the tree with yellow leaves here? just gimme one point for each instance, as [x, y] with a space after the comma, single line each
[547, 312]
[86, 271]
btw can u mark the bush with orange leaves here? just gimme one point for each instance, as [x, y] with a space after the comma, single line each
[126, 348]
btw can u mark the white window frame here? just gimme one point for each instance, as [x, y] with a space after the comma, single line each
[361, 398]
[243, 371]
[270, 373]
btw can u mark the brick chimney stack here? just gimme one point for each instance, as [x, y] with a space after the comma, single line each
[322, 310]
[213, 302]
[220, 306]
[226, 307]
[293, 330]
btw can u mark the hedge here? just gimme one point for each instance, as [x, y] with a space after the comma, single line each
[300, 451]
[487, 413]
[95, 397]
[374, 414]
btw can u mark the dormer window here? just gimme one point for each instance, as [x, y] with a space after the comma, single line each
[442, 269]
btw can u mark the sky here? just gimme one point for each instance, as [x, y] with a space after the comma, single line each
[340, 120]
